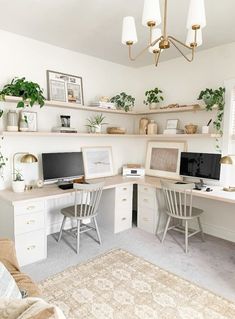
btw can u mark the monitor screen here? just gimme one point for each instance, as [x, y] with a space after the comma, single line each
[62, 165]
[202, 165]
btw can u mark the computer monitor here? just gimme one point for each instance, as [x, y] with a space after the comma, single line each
[62, 166]
[201, 165]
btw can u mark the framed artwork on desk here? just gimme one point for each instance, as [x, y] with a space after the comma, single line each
[64, 87]
[163, 159]
[98, 161]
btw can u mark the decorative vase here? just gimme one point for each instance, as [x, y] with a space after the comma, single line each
[97, 128]
[143, 126]
[12, 121]
[18, 186]
[152, 128]
[153, 106]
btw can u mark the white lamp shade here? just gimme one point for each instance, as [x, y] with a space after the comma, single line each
[191, 37]
[151, 12]
[129, 30]
[156, 33]
[196, 14]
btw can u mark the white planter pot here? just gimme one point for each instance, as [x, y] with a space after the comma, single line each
[153, 106]
[97, 128]
[18, 186]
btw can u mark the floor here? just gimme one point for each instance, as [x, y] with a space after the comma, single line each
[209, 264]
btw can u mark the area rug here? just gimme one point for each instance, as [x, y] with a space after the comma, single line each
[119, 285]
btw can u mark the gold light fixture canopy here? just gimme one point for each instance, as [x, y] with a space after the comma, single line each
[29, 159]
[160, 41]
[226, 160]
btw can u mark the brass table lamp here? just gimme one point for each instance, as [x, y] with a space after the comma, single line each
[228, 160]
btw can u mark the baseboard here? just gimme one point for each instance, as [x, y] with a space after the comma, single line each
[218, 231]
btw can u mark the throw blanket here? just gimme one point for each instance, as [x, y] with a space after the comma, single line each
[28, 308]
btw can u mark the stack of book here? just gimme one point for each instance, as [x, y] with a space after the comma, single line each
[104, 105]
[172, 131]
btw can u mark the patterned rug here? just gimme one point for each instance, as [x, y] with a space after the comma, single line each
[119, 285]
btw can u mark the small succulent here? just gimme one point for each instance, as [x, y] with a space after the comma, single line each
[95, 121]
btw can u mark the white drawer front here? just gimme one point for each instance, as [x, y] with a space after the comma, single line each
[30, 247]
[30, 207]
[124, 191]
[147, 189]
[147, 200]
[147, 220]
[29, 222]
[123, 222]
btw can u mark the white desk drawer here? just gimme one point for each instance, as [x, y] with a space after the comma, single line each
[29, 222]
[30, 247]
[30, 207]
[123, 222]
[147, 189]
[147, 200]
[147, 220]
[124, 191]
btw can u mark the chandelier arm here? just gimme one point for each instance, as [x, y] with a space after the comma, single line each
[142, 51]
[180, 42]
[181, 52]
[157, 57]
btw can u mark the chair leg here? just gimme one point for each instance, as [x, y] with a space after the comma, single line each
[200, 227]
[186, 236]
[61, 229]
[78, 235]
[166, 228]
[97, 230]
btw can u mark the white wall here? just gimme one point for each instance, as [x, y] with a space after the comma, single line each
[180, 81]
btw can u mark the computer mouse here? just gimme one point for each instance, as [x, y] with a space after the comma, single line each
[208, 189]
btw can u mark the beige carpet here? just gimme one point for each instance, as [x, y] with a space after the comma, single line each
[119, 285]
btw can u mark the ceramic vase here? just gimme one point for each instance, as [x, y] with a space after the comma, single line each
[18, 186]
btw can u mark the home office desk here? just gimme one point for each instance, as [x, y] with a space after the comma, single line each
[28, 217]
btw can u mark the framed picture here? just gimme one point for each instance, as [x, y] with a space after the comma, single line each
[98, 161]
[163, 159]
[31, 120]
[172, 124]
[64, 87]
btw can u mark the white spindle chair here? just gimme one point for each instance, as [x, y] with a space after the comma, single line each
[178, 204]
[87, 199]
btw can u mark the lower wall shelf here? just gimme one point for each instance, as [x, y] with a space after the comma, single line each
[100, 135]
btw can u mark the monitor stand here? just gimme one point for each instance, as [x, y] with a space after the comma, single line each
[200, 185]
[63, 182]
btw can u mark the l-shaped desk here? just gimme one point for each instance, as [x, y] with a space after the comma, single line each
[27, 218]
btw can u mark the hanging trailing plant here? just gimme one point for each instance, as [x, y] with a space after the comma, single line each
[29, 91]
[215, 99]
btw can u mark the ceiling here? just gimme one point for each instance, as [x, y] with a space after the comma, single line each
[93, 27]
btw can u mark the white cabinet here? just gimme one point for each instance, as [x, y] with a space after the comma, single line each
[147, 209]
[25, 224]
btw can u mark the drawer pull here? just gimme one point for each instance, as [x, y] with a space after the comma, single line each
[146, 189]
[145, 200]
[30, 222]
[30, 207]
[124, 188]
[31, 247]
[145, 219]
[124, 199]
[124, 218]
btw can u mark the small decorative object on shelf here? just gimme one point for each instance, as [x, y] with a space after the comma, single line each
[123, 101]
[3, 161]
[64, 87]
[143, 126]
[152, 128]
[172, 124]
[116, 130]
[12, 121]
[153, 98]
[104, 103]
[30, 92]
[31, 120]
[206, 128]
[95, 123]
[23, 124]
[65, 120]
[191, 128]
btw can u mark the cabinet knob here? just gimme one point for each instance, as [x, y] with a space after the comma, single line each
[145, 200]
[124, 188]
[124, 218]
[31, 221]
[31, 247]
[145, 219]
[124, 199]
[30, 207]
[145, 188]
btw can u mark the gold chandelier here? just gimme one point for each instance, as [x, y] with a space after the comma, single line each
[159, 40]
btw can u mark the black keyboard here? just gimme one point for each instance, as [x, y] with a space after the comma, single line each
[66, 186]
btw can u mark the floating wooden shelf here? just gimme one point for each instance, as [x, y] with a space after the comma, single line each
[189, 108]
[100, 135]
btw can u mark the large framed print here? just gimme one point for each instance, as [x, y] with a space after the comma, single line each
[98, 161]
[163, 159]
[64, 87]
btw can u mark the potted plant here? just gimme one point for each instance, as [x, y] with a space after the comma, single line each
[30, 92]
[123, 101]
[18, 184]
[153, 97]
[3, 161]
[95, 123]
[214, 99]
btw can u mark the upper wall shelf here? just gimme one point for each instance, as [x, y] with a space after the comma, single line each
[189, 108]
